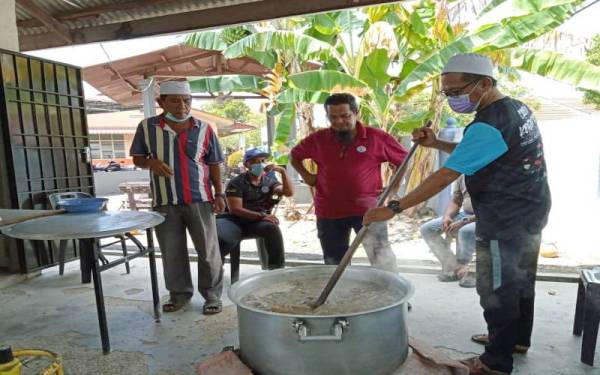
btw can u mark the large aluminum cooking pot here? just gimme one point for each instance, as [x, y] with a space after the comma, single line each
[369, 342]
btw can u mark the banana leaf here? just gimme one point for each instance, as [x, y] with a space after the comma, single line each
[508, 34]
[234, 82]
[293, 95]
[329, 81]
[408, 123]
[287, 119]
[302, 46]
[373, 70]
[209, 40]
[556, 66]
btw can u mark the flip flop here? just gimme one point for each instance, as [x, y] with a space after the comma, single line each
[174, 305]
[483, 339]
[447, 277]
[212, 307]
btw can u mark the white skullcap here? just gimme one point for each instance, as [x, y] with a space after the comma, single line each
[175, 88]
[470, 63]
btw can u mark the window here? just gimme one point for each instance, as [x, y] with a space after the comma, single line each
[107, 146]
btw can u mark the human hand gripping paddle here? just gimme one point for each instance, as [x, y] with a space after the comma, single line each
[363, 231]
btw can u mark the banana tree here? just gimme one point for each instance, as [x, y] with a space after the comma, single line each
[427, 38]
[396, 52]
[285, 52]
[499, 30]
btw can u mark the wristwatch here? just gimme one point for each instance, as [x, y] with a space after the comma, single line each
[220, 195]
[394, 206]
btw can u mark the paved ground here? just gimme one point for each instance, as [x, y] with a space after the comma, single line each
[58, 313]
[301, 243]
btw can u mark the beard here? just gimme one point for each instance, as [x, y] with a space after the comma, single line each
[343, 136]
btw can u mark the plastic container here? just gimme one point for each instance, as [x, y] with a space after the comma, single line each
[451, 133]
[81, 205]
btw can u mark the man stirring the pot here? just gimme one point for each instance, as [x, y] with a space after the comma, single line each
[502, 157]
[349, 155]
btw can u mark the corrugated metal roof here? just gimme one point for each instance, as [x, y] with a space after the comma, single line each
[62, 9]
[71, 22]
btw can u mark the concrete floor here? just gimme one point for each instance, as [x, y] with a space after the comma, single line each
[58, 314]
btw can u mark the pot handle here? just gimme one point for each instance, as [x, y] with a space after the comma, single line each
[338, 329]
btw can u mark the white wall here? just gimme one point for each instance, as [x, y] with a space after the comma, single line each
[9, 38]
[572, 149]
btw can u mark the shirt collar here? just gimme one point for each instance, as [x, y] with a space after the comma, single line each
[249, 178]
[361, 130]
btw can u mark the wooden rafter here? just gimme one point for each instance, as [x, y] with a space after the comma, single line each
[164, 58]
[46, 19]
[149, 68]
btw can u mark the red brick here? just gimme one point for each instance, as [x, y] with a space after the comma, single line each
[224, 363]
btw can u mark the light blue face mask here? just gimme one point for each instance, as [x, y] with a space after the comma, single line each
[257, 169]
[169, 116]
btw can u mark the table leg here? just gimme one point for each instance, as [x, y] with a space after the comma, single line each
[86, 259]
[90, 251]
[153, 278]
[131, 197]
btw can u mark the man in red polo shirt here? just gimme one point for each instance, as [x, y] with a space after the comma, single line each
[349, 157]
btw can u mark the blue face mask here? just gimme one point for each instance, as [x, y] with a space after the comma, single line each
[170, 117]
[257, 169]
[462, 103]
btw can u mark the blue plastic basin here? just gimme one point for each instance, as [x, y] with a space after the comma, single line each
[82, 204]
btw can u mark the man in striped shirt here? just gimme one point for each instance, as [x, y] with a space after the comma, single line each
[183, 156]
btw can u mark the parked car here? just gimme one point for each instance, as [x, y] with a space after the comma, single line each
[113, 166]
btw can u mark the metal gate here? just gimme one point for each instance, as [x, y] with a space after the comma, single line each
[44, 146]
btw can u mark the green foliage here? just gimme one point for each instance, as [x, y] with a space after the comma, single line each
[391, 56]
[233, 109]
[231, 35]
[240, 111]
[238, 82]
[209, 40]
[554, 65]
[593, 57]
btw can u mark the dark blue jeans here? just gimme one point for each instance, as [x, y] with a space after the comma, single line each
[232, 229]
[334, 235]
[506, 271]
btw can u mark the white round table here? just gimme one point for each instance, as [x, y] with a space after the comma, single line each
[88, 228]
[86, 225]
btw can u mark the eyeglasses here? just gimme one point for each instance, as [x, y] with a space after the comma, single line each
[457, 91]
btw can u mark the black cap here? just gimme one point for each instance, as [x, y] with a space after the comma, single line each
[6, 354]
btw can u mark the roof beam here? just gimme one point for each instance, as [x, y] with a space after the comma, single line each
[46, 19]
[195, 20]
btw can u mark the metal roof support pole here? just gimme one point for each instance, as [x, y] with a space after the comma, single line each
[148, 99]
[242, 142]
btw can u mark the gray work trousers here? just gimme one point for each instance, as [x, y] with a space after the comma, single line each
[199, 220]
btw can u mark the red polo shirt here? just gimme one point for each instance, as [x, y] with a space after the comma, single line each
[349, 176]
